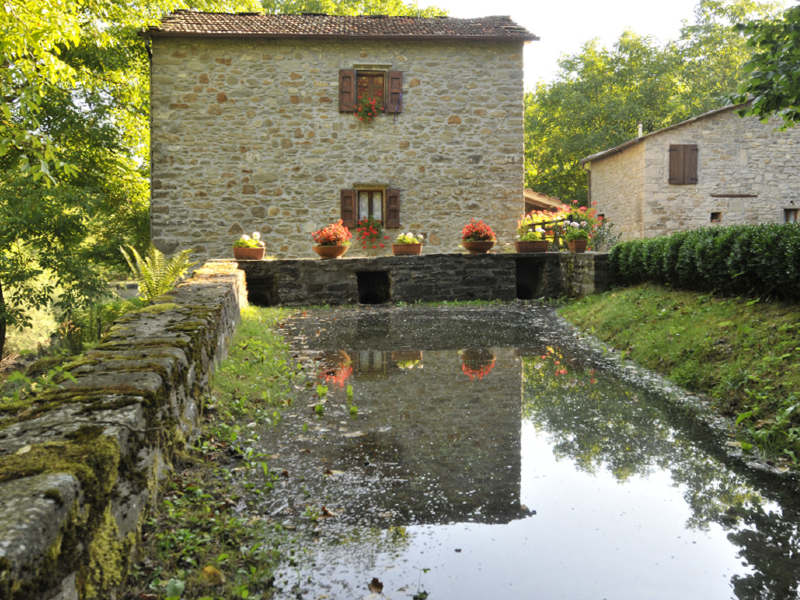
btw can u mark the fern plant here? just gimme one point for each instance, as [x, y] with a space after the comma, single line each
[155, 273]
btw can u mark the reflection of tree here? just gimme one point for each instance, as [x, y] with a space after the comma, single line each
[769, 543]
[602, 423]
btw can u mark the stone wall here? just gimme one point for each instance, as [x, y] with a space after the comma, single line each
[79, 466]
[747, 172]
[247, 136]
[425, 278]
[617, 185]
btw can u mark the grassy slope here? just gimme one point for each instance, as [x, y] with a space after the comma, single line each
[744, 354]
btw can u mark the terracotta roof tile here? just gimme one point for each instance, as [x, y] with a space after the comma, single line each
[188, 22]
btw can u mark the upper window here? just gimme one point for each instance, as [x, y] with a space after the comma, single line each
[386, 87]
[371, 86]
[683, 164]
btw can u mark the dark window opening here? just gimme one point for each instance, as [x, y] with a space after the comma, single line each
[529, 278]
[263, 292]
[716, 217]
[791, 215]
[371, 86]
[373, 287]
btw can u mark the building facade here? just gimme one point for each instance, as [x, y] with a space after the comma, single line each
[254, 128]
[717, 168]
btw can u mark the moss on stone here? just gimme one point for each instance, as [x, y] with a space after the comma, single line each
[88, 455]
[155, 309]
[106, 560]
[43, 365]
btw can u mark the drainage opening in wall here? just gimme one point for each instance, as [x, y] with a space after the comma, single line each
[373, 287]
[263, 291]
[529, 278]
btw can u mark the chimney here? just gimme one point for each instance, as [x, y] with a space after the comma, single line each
[640, 129]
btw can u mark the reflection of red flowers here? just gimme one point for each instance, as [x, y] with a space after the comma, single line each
[478, 374]
[477, 363]
[338, 376]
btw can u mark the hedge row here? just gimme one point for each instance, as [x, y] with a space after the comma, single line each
[754, 260]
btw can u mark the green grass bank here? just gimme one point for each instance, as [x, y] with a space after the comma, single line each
[743, 354]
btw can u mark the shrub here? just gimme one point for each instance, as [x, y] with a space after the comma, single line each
[755, 260]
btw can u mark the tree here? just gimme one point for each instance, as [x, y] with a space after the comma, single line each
[773, 83]
[600, 94]
[392, 8]
[74, 96]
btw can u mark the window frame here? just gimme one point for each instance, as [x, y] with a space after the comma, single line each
[683, 164]
[370, 203]
[793, 211]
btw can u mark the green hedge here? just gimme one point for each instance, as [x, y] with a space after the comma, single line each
[754, 260]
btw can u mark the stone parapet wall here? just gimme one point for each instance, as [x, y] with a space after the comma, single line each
[247, 136]
[425, 278]
[80, 465]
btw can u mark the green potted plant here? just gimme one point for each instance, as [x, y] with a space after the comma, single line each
[407, 244]
[249, 247]
[576, 234]
[332, 241]
[530, 237]
[477, 237]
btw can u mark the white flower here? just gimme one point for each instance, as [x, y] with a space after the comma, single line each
[574, 225]
[256, 235]
[583, 223]
[245, 237]
[420, 236]
[539, 230]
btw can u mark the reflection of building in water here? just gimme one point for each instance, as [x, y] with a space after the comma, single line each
[450, 443]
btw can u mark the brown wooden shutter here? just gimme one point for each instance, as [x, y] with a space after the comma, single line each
[395, 91]
[392, 209]
[676, 165]
[683, 164]
[347, 90]
[349, 213]
[690, 164]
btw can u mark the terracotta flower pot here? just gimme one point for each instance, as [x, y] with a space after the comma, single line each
[537, 246]
[330, 251]
[248, 253]
[406, 249]
[577, 245]
[478, 247]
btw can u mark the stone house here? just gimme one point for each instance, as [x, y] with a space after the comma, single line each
[714, 168]
[253, 128]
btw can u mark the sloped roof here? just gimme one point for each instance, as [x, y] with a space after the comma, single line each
[542, 201]
[193, 23]
[634, 141]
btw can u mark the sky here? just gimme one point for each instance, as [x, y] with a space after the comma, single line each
[563, 26]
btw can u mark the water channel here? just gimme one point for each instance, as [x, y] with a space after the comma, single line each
[494, 453]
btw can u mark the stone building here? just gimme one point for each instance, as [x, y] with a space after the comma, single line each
[714, 168]
[254, 128]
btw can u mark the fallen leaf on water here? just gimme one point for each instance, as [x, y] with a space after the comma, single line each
[285, 473]
[24, 450]
[327, 472]
[735, 444]
[213, 575]
[354, 434]
[375, 586]
[325, 513]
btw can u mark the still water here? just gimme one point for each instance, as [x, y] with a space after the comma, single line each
[490, 452]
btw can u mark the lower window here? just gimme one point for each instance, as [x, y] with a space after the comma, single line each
[790, 215]
[370, 204]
